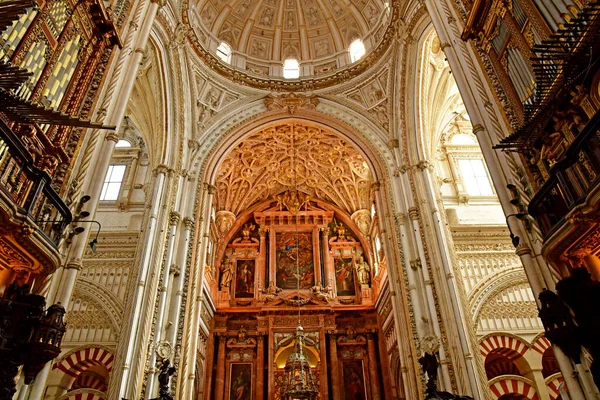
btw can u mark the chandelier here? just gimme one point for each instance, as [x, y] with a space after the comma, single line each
[299, 383]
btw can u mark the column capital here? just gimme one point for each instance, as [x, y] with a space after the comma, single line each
[413, 213]
[188, 222]
[160, 169]
[112, 137]
[174, 218]
[478, 128]
[375, 186]
[211, 189]
[74, 264]
[400, 218]
[522, 250]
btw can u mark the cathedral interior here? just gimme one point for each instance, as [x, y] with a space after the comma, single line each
[299, 199]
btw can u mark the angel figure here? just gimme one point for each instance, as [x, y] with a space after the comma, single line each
[321, 293]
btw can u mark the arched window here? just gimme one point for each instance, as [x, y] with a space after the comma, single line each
[224, 52]
[122, 143]
[356, 50]
[291, 69]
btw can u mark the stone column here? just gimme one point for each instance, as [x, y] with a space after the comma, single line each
[329, 281]
[220, 376]
[568, 373]
[260, 367]
[208, 367]
[540, 384]
[373, 375]
[334, 368]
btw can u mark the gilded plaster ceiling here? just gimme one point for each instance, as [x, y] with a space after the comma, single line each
[273, 159]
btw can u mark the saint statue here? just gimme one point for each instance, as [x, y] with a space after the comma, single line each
[362, 271]
[227, 271]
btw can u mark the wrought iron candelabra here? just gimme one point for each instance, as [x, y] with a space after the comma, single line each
[29, 336]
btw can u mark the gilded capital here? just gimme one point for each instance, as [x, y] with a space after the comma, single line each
[522, 249]
[174, 218]
[160, 169]
[188, 222]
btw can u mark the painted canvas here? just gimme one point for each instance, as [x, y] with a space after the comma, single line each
[344, 276]
[244, 279]
[354, 380]
[240, 381]
[288, 246]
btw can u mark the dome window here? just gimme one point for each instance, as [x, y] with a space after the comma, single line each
[291, 69]
[224, 52]
[356, 50]
[122, 143]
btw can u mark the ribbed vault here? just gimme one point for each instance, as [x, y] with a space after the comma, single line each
[268, 162]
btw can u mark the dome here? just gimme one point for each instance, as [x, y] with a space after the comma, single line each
[262, 34]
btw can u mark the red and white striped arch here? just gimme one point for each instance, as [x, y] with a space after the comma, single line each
[553, 382]
[541, 344]
[500, 342]
[510, 385]
[78, 395]
[78, 361]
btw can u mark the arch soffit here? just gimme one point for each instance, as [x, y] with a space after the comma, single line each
[504, 340]
[512, 384]
[222, 138]
[493, 284]
[88, 394]
[104, 299]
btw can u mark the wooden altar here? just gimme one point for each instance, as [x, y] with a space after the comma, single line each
[260, 287]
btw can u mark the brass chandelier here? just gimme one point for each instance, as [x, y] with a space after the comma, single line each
[299, 382]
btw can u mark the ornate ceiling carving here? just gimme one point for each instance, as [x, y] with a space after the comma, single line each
[318, 33]
[266, 163]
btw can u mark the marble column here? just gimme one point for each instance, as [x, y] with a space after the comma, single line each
[373, 375]
[323, 372]
[260, 367]
[220, 377]
[208, 367]
[262, 258]
[334, 368]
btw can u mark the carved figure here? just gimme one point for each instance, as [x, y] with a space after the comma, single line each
[292, 200]
[227, 271]
[247, 229]
[164, 378]
[321, 293]
[270, 293]
[362, 271]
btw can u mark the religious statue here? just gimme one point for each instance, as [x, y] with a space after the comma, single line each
[164, 378]
[321, 293]
[429, 363]
[270, 293]
[247, 229]
[362, 271]
[227, 271]
[292, 200]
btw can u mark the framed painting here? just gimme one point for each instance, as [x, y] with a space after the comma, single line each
[240, 381]
[288, 246]
[354, 380]
[344, 276]
[244, 278]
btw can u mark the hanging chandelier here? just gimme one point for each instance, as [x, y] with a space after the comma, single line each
[299, 382]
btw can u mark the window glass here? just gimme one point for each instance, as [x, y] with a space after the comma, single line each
[475, 177]
[122, 143]
[112, 183]
[224, 52]
[462, 138]
[357, 50]
[291, 69]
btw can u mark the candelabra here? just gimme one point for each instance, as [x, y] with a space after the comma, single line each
[29, 336]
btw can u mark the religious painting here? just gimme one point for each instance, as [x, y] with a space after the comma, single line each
[244, 279]
[295, 262]
[344, 276]
[354, 380]
[240, 381]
